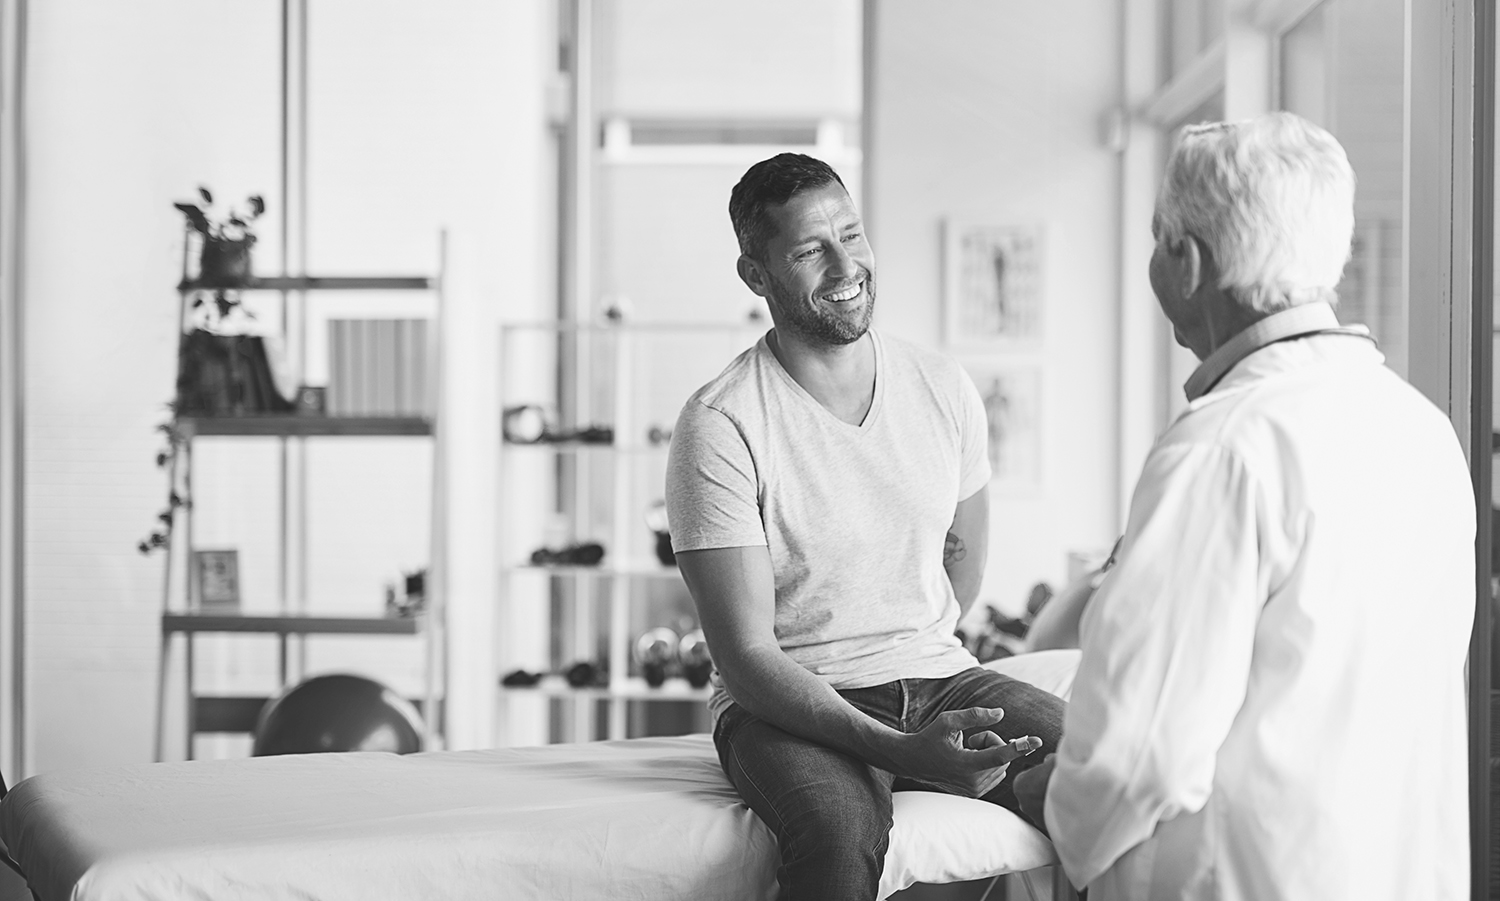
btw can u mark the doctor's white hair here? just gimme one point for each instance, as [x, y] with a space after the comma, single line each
[1271, 198]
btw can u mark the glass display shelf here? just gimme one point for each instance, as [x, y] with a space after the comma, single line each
[632, 688]
[584, 447]
[644, 567]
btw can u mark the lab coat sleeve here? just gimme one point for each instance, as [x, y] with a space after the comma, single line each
[1166, 642]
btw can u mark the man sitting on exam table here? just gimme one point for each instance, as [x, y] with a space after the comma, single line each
[1257, 713]
[826, 498]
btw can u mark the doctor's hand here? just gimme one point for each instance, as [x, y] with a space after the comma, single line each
[969, 765]
[1031, 791]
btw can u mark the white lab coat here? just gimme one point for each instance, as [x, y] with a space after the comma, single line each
[1270, 703]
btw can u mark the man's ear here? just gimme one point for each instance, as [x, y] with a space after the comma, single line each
[753, 274]
[1190, 262]
[1196, 264]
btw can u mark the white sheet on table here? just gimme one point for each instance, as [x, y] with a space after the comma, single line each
[639, 819]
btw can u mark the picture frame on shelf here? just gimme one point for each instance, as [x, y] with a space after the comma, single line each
[312, 400]
[1012, 396]
[216, 580]
[992, 285]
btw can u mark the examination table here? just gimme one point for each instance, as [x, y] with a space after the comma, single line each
[646, 818]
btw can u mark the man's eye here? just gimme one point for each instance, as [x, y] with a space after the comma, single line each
[811, 251]
[852, 236]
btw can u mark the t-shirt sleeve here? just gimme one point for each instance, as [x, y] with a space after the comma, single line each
[712, 496]
[974, 435]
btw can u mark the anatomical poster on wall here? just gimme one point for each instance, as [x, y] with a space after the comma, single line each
[992, 284]
[1012, 398]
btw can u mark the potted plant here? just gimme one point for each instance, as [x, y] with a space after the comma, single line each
[224, 257]
[221, 370]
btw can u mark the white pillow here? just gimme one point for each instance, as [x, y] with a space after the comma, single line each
[944, 838]
[1048, 670]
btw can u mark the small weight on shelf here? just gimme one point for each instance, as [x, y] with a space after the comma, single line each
[586, 673]
[523, 424]
[527, 424]
[583, 674]
[692, 656]
[655, 651]
[520, 679]
[656, 521]
[587, 554]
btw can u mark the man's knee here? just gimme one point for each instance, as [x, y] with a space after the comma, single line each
[849, 833]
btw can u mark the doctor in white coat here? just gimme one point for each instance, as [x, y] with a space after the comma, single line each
[1270, 703]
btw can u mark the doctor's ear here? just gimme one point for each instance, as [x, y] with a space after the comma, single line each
[1191, 263]
[753, 274]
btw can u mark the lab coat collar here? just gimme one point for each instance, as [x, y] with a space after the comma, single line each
[1293, 322]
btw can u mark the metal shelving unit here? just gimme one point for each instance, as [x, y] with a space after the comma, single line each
[294, 426]
[218, 713]
[599, 491]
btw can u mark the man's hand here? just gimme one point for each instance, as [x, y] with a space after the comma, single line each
[1031, 790]
[940, 755]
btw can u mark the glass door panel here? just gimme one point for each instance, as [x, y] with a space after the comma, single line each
[1343, 67]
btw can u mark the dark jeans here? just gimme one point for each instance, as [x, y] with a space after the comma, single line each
[831, 812]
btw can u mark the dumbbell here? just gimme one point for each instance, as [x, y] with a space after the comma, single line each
[692, 656]
[655, 651]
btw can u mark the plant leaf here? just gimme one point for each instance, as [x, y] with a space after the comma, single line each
[203, 192]
[195, 216]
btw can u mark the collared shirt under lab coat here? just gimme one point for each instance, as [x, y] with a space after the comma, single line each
[1270, 703]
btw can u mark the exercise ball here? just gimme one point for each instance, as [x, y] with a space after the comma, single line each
[337, 713]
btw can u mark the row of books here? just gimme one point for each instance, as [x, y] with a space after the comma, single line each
[379, 367]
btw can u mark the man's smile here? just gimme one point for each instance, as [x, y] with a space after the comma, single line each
[844, 295]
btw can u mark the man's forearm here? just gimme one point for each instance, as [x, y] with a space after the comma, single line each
[772, 686]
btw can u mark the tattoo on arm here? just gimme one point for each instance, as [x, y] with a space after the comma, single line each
[953, 549]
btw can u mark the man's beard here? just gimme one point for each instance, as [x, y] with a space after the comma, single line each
[819, 325]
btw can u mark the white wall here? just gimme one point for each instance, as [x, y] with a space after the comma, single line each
[990, 111]
[131, 106]
[424, 117]
[663, 237]
[767, 58]
[421, 116]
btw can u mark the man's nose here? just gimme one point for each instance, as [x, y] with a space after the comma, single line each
[842, 264]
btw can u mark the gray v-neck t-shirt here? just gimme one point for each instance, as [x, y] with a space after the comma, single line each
[853, 516]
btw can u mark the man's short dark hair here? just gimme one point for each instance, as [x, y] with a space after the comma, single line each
[770, 183]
